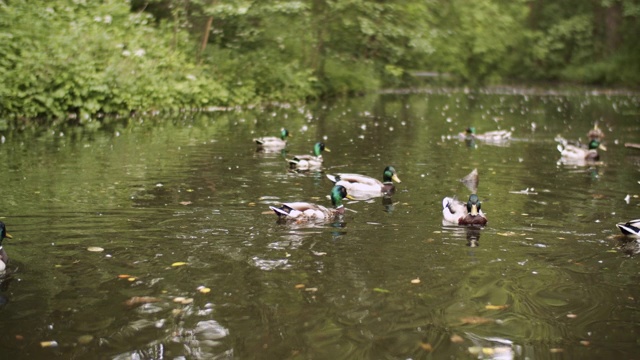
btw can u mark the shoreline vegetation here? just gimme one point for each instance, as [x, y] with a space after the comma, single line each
[77, 60]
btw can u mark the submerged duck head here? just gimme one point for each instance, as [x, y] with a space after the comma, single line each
[473, 205]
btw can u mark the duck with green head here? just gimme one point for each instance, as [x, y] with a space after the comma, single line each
[305, 211]
[4, 258]
[574, 152]
[459, 213]
[363, 186]
[273, 143]
[309, 162]
[496, 135]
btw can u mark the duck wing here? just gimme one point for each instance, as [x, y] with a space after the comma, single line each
[453, 209]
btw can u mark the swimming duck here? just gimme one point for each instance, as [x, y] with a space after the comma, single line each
[497, 135]
[630, 228]
[595, 133]
[457, 212]
[273, 143]
[574, 152]
[306, 162]
[4, 258]
[304, 211]
[365, 186]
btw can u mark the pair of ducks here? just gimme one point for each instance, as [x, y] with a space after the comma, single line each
[298, 162]
[578, 152]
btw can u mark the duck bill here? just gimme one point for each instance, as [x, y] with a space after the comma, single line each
[396, 178]
[327, 149]
[474, 210]
[602, 147]
[350, 197]
[8, 236]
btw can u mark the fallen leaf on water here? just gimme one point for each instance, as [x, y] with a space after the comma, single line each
[179, 263]
[132, 278]
[476, 320]
[508, 233]
[251, 204]
[585, 343]
[426, 346]
[496, 307]
[185, 202]
[572, 316]
[380, 290]
[415, 281]
[124, 276]
[85, 339]
[183, 300]
[46, 344]
[204, 290]
[19, 337]
[95, 249]
[139, 300]
[556, 350]
[300, 286]
[457, 339]
[311, 289]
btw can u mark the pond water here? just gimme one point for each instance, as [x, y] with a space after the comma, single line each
[194, 265]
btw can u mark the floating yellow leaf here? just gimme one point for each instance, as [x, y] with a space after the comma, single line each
[457, 339]
[183, 300]
[133, 278]
[556, 350]
[311, 289]
[85, 339]
[508, 233]
[251, 204]
[585, 343]
[426, 346]
[139, 300]
[204, 290]
[95, 249]
[380, 290]
[496, 307]
[185, 203]
[475, 320]
[415, 281]
[572, 316]
[46, 344]
[300, 286]
[179, 263]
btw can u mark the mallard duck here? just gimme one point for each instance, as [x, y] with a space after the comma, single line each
[595, 133]
[497, 135]
[4, 258]
[306, 162]
[304, 211]
[365, 186]
[630, 228]
[457, 212]
[273, 143]
[574, 152]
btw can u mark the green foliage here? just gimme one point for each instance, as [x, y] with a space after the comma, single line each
[61, 57]
[88, 57]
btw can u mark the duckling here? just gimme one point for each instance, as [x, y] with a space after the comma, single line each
[457, 212]
[362, 186]
[630, 228]
[273, 143]
[4, 258]
[305, 211]
[574, 152]
[308, 162]
[497, 135]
